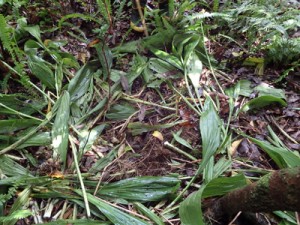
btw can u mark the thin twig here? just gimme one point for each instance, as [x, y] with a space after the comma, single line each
[170, 146]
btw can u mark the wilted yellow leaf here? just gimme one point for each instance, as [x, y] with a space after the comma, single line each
[234, 146]
[158, 135]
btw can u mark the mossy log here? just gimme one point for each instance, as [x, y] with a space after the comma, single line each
[279, 190]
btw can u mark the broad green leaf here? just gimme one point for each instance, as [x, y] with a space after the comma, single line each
[38, 139]
[179, 41]
[210, 127]
[97, 108]
[190, 47]
[221, 166]
[105, 57]
[120, 112]
[242, 87]
[77, 222]
[262, 101]
[282, 157]
[223, 185]
[43, 73]
[103, 162]
[171, 59]
[35, 32]
[87, 138]
[182, 141]
[58, 77]
[265, 90]
[31, 47]
[194, 69]
[155, 83]
[79, 85]
[245, 88]
[24, 180]
[115, 215]
[190, 209]
[141, 189]
[288, 218]
[128, 47]
[162, 68]
[60, 129]
[11, 168]
[15, 103]
[12, 125]
[137, 128]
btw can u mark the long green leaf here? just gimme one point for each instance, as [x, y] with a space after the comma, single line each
[105, 57]
[11, 168]
[262, 101]
[103, 162]
[60, 130]
[190, 209]
[142, 189]
[12, 125]
[282, 157]
[194, 69]
[79, 85]
[43, 73]
[223, 185]
[210, 127]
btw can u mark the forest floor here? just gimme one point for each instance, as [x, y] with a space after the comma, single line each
[158, 120]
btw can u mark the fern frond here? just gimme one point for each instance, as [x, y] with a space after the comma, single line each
[10, 193]
[5, 37]
[105, 9]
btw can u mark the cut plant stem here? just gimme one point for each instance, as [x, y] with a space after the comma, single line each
[87, 207]
[130, 98]
[19, 113]
[169, 145]
[283, 132]
[21, 140]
